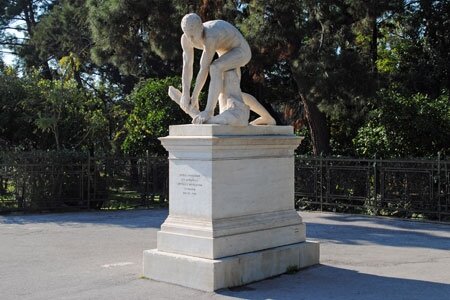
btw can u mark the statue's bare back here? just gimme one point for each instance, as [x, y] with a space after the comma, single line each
[224, 36]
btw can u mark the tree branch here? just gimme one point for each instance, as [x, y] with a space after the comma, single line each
[13, 28]
[10, 44]
[8, 52]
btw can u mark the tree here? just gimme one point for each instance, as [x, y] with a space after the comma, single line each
[141, 38]
[328, 64]
[62, 32]
[63, 35]
[69, 115]
[373, 16]
[21, 17]
[409, 114]
[405, 126]
[15, 127]
[317, 42]
[47, 114]
[416, 44]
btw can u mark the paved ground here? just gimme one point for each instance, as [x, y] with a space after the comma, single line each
[99, 256]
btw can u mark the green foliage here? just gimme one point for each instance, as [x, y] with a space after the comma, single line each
[318, 45]
[401, 126]
[15, 127]
[326, 59]
[141, 38]
[50, 114]
[63, 31]
[151, 116]
[417, 42]
[18, 20]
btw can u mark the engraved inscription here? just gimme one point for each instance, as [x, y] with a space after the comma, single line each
[189, 183]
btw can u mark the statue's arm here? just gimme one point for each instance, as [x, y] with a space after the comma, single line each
[186, 77]
[205, 62]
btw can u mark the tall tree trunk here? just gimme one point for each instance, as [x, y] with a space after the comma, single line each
[317, 121]
[318, 128]
[374, 44]
[210, 10]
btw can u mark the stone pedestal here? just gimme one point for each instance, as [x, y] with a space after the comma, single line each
[231, 214]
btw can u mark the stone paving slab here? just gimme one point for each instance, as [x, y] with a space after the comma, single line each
[98, 255]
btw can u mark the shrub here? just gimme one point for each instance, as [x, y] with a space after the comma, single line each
[151, 116]
[405, 126]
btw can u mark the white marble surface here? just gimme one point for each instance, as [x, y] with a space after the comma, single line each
[211, 275]
[231, 193]
[224, 183]
[219, 130]
[252, 186]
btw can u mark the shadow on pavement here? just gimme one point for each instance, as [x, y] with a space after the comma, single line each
[128, 218]
[388, 221]
[389, 233]
[326, 282]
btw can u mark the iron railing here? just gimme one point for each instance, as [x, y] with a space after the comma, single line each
[403, 188]
[90, 183]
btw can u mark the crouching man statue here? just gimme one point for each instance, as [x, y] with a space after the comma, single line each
[225, 74]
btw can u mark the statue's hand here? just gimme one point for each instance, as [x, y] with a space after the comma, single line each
[202, 117]
[185, 102]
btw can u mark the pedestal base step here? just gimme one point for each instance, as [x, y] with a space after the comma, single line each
[213, 274]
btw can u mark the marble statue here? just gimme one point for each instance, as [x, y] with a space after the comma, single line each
[233, 52]
[229, 223]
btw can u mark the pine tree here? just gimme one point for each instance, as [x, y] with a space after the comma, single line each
[22, 17]
[318, 40]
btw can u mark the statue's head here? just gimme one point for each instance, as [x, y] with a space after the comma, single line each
[192, 26]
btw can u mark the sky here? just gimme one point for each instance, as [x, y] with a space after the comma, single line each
[7, 57]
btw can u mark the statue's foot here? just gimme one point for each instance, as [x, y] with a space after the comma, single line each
[264, 121]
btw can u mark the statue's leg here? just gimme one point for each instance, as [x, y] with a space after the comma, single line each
[222, 103]
[232, 85]
[233, 59]
[265, 118]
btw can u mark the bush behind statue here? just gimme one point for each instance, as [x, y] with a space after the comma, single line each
[405, 126]
[152, 113]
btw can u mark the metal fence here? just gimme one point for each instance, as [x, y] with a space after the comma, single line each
[92, 183]
[402, 188]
